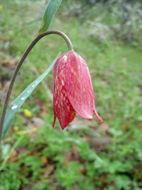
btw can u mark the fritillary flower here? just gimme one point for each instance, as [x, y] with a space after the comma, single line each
[72, 90]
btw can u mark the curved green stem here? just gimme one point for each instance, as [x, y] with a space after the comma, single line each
[33, 43]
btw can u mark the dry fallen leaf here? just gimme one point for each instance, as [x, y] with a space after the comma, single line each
[38, 122]
[103, 128]
[8, 62]
[5, 86]
[140, 125]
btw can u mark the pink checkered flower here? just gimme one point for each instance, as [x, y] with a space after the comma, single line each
[72, 90]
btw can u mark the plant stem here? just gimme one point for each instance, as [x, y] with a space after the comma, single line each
[33, 43]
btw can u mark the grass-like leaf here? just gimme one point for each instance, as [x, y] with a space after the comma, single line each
[18, 102]
[50, 11]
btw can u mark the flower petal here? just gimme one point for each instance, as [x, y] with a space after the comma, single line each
[97, 116]
[63, 110]
[79, 86]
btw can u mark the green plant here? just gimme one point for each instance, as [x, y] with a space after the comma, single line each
[49, 13]
[116, 73]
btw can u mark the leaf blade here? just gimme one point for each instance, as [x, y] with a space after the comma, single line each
[50, 12]
[18, 102]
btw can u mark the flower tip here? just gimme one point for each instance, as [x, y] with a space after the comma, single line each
[97, 116]
[53, 124]
[102, 121]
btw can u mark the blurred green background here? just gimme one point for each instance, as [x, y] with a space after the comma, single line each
[87, 155]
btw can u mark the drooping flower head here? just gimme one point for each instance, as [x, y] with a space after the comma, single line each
[72, 90]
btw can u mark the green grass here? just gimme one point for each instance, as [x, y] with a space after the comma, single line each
[82, 156]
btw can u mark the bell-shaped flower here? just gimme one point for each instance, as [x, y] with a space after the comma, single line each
[72, 89]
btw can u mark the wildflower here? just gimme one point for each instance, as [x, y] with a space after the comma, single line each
[20, 133]
[34, 130]
[72, 90]
[1, 7]
[27, 113]
[16, 128]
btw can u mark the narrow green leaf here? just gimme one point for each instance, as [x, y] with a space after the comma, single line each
[50, 12]
[18, 102]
